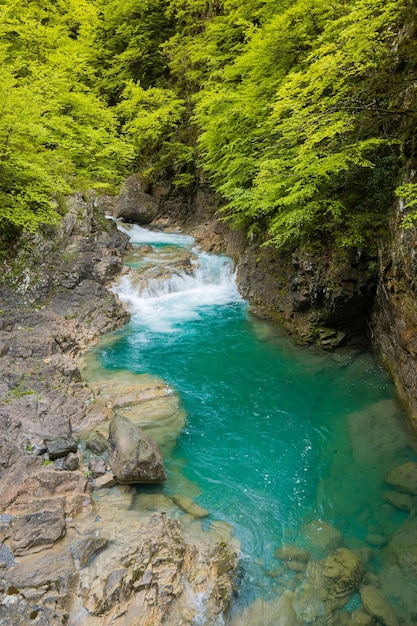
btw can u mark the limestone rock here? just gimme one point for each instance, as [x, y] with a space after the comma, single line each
[403, 478]
[96, 443]
[375, 540]
[289, 552]
[104, 482]
[97, 467]
[133, 456]
[360, 618]
[38, 530]
[69, 487]
[376, 434]
[401, 501]
[18, 470]
[86, 549]
[328, 585]
[376, 604]
[344, 569]
[264, 613]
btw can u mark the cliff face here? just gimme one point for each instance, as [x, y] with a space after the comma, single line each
[318, 297]
[394, 319]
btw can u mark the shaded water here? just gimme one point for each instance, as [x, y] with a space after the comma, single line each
[276, 436]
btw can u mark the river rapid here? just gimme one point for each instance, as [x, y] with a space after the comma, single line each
[285, 445]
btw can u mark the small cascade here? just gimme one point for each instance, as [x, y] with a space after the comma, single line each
[176, 295]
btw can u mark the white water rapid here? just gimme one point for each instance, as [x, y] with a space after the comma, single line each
[177, 295]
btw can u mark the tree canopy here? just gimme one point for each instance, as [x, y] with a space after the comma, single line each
[300, 111]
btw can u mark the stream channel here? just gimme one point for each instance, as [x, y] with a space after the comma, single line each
[278, 441]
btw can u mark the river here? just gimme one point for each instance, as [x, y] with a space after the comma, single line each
[277, 438]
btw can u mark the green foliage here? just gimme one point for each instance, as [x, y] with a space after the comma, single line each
[56, 135]
[293, 124]
[128, 44]
[151, 121]
[293, 107]
[408, 193]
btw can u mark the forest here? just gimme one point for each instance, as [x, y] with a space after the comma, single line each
[300, 113]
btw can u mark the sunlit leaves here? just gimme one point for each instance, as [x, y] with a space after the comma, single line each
[55, 133]
[293, 128]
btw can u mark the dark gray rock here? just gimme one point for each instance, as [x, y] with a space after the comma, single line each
[36, 531]
[134, 204]
[71, 462]
[133, 456]
[6, 557]
[60, 447]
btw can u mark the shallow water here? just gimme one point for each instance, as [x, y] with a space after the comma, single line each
[275, 435]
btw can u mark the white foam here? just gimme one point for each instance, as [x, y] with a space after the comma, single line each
[139, 235]
[163, 305]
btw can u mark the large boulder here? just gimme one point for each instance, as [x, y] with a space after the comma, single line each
[134, 204]
[133, 456]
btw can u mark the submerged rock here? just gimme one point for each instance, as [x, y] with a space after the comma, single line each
[265, 613]
[401, 501]
[398, 572]
[320, 535]
[289, 552]
[328, 586]
[133, 456]
[403, 478]
[377, 605]
[189, 506]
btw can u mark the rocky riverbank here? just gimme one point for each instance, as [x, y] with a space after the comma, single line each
[73, 550]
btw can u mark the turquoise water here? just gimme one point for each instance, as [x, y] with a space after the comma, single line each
[276, 435]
